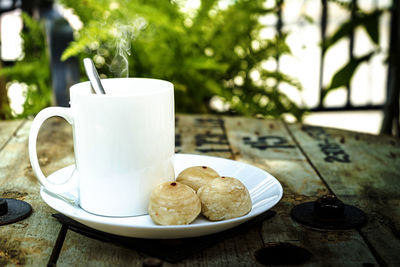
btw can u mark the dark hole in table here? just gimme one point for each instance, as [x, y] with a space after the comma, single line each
[282, 254]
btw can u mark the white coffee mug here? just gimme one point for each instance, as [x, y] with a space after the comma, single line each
[123, 143]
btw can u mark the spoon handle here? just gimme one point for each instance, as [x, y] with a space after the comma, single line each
[93, 76]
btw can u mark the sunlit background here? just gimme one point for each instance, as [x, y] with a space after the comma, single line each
[368, 84]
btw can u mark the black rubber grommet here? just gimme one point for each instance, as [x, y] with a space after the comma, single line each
[328, 214]
[16, 210]
[3, 206]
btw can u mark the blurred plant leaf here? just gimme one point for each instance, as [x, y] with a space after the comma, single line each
[369, 21]
[344, 75]
[371, 25]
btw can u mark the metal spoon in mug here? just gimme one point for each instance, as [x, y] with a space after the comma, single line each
[93, 76]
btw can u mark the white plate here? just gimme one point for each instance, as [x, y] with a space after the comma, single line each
[265, 192]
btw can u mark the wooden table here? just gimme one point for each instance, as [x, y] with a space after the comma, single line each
[360, 169]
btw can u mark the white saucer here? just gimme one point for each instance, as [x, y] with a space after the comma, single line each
[265, 192]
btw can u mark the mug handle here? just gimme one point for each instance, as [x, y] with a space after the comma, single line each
[43, 115]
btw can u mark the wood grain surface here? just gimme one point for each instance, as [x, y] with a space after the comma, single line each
[369, 178]
[28, 242]
[278, 154]
[362, 170]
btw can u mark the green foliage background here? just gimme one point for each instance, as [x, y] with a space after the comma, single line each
[33, 70]
[206, 52]
[366, 20]
[202, 52]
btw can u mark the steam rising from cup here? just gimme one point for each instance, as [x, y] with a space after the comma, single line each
[124, 36]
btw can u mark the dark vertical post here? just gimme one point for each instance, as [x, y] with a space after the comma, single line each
[279, 25]
[63, 73]
[324, 19]
[390, 124]
[351, 49]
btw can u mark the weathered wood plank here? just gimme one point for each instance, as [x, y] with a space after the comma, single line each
[198, 135]
[235, 251]
[362, 170]
[7, 129]
[202, 135]
[206, 135]
[30, 241]
[268, 145]
[79, 250]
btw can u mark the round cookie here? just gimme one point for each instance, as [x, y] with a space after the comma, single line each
[224, 198]
[197, 176]
[173, 203]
